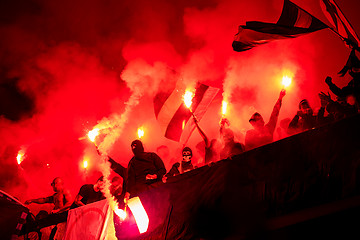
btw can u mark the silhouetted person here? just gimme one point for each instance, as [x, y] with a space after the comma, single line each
[210, 152]
[283, 126]
[184, 166]
[340, 109]
[231, 147]
[116, 187]
[263, 133]
[61, 198]
[89, 193]
[144, 169]
[353, 87]
[305, 118]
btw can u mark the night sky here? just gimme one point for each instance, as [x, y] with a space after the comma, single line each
[67, 66]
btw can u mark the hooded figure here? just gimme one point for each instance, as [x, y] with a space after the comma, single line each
[184, 166]
[262, 133]
[231, 148]
[305, 118]
[144, 169]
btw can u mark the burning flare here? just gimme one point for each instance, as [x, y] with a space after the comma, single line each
[286, 81]
[93, 134]
[20, 156]
[140, 215]
[224, 107]
[188, 96]
[140, 132]
[85, 163]
[121, 213]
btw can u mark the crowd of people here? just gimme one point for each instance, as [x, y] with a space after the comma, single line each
[146, 170]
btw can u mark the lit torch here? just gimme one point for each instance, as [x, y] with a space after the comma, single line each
[139, 212]
[224, 108]
[93, 134]
[286, 81]
[188, 96]
[85, 163]
[20, 156]
[140, 132]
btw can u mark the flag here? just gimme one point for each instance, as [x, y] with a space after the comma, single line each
[172, 114]
[293, 22]
[88, 222]
[339, 21]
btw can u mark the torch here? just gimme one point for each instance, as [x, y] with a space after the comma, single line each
[286, 81]
[224, 108]
[140, 132]
[20, 156]
[188, 96]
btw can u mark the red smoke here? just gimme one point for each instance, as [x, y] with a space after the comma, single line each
[84, 62]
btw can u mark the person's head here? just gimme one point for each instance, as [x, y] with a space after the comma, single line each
[57, 184]
[116, 183]
[228, 136]
[137, 147]
[350, 99]
[305, 108]
[186, 154]
[257, 120]
[99, 183]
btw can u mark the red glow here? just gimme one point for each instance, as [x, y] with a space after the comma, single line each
[93, 134]
[188, 96]
[20, 157]
[286, 81]
[140, 215]
[224, 107]
[121, 213]
[85, 163]
[140, 132]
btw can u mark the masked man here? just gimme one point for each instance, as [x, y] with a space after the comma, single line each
[144, 169]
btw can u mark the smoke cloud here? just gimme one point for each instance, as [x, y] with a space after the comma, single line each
[68, 67]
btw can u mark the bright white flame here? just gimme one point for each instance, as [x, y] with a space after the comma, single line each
[286, 81]
[121, 213]
[93, 134]
[85, 163]
[140, 215]
[20, 156]
[140, 132]
[188, 96]
[224, 107]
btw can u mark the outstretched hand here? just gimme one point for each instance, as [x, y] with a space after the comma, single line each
[282, 94]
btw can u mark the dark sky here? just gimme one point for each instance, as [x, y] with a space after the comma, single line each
[66, 66]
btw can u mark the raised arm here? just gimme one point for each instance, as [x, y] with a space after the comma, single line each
[275, 113]
[202, 133]
[40, 200]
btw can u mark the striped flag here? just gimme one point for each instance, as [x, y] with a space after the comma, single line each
[338, 20]
[174, 117]
[293, 22]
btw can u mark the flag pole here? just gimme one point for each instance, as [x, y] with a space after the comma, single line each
[346, 40]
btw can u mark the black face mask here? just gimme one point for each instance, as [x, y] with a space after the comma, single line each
[137, 147]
